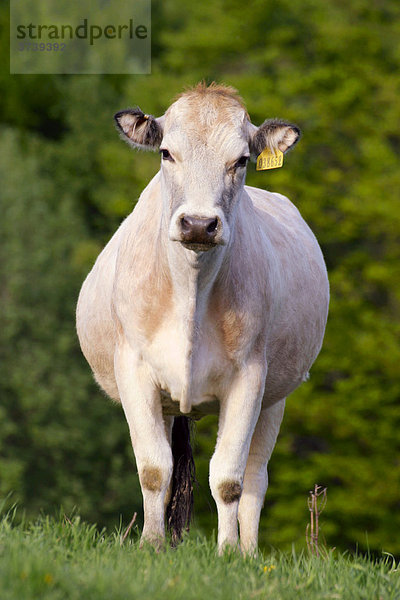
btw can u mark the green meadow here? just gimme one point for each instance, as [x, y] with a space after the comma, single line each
[56, 559]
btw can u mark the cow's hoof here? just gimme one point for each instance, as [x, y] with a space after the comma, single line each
[156, 543]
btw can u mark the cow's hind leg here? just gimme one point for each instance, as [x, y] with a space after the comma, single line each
[256, 475]
[149, 433]
[239, 412]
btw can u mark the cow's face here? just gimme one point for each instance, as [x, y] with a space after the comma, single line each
[205, 140]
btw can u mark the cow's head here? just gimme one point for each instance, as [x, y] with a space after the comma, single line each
[205, 140]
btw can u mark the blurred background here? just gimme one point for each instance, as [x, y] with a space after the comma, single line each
[67, 181]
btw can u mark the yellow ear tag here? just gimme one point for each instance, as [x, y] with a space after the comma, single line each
[268, 159]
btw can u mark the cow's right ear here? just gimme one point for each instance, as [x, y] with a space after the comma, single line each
[139, 130]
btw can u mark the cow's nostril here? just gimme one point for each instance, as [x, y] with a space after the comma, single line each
[212, 227]
[185, 225]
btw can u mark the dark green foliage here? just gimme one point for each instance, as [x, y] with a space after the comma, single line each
[57, 445]
[66, 183]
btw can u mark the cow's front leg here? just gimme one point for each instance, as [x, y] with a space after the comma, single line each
[239, 412]
[141, 403]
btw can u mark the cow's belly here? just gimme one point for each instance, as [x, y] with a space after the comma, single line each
[171, 407]
[180, 367]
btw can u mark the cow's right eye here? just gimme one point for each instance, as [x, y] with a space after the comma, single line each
[166, 155]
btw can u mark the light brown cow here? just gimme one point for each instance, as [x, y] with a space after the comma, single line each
[211, 297]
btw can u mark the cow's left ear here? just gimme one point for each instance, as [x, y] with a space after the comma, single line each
[273, 134]
[138, 129]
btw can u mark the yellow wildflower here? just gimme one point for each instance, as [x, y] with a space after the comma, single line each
[269, 568]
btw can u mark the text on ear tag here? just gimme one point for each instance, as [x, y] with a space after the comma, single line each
[268, 159]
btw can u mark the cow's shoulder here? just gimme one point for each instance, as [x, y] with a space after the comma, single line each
[142, 287]
[282, 221]
[273, 204]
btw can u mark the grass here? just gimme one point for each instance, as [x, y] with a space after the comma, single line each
[54, 559]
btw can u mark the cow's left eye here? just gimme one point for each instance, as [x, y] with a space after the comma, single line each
[241, 162]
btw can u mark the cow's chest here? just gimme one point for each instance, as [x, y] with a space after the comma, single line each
[187, 359]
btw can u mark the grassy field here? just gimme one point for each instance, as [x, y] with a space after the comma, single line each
[56, 559]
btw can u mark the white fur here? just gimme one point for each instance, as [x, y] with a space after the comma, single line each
[234, 329]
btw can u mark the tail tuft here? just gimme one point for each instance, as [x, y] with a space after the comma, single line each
[180, 506]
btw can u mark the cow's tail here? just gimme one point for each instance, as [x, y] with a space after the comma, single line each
[180, 506]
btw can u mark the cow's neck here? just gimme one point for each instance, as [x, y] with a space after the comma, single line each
[192, 277]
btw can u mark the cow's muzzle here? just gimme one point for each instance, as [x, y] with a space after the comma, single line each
[199, 231]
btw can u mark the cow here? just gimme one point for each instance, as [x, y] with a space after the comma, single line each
[210, 298]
